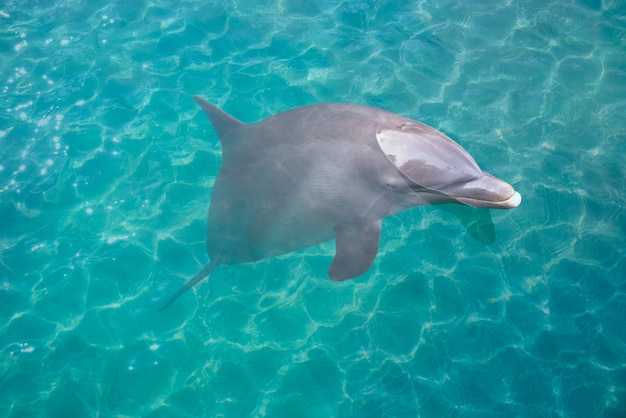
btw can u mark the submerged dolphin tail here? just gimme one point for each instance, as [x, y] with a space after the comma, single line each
[206, 270]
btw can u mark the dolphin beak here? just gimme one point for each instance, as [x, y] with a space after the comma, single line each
[486, 192]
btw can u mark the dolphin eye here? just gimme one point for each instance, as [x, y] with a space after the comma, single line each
[395, 186]
[391, 187]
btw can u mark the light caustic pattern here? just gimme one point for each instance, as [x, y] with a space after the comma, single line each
[106, 168]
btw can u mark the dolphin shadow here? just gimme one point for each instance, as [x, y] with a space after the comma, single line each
[477, 221]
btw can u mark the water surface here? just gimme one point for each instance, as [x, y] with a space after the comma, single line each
[106, 170]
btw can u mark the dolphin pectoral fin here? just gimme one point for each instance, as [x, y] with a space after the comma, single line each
[208, 269]
[356, 248]
[477, 221]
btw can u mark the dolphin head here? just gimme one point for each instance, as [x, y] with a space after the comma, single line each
[439, 170]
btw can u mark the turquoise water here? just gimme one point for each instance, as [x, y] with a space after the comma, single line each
[106, 170]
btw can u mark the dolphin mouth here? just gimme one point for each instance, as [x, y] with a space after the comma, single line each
[485, 191]
[511, 202]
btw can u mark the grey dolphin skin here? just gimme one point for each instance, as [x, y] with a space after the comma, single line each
[314, 173]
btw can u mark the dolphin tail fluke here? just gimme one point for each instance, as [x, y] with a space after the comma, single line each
[206, 270]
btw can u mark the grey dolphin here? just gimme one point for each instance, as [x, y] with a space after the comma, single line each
[314, 173]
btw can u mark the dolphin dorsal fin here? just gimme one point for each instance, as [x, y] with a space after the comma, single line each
[222, 121]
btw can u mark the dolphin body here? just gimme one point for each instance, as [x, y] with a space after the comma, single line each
[314, 173]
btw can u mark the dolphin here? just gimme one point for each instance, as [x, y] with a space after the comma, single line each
[314, 173]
